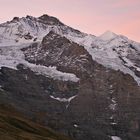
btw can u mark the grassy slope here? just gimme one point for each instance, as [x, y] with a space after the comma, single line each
[14, 127]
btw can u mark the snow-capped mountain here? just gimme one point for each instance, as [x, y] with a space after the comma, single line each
[109, 49]
[118, 52]
[55, 74]
[30, 29]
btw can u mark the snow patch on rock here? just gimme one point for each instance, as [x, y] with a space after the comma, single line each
[64, 99]
[115, 138]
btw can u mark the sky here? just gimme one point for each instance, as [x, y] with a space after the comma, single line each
[90, 16]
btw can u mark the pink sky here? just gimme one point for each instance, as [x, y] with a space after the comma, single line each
[91, 16]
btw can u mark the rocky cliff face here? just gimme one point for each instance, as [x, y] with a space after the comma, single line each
[58, 51]
[77, 84]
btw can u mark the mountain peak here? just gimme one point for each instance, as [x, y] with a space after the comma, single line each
[44, 16]
[16, 19]
[50, 20]
[30, 17]
[108, 35]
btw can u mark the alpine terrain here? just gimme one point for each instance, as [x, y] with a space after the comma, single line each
[57, 83]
